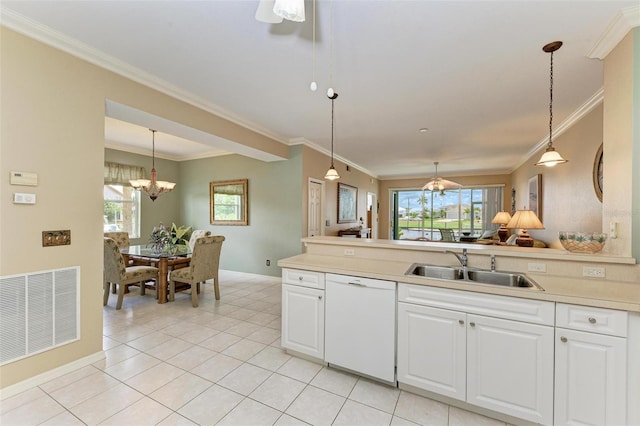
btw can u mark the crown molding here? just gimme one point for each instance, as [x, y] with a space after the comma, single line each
[314, 146]
[624, 21]
[147, 153]
[595, 100]
[57, 40]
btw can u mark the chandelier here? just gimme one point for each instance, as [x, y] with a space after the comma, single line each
[154, 188]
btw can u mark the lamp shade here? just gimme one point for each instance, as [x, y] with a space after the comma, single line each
[525, 219]
[291, 10]
[264, 12]
[501, 218]
[550, 158]
[439, 184]
[332, 174]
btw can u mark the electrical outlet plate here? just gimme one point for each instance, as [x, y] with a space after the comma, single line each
[56, 238]
[349, 252]
[537, 267]
[593, 272]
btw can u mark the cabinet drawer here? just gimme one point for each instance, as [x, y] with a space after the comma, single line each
[303, 278]
[506, 307]
[596, 320]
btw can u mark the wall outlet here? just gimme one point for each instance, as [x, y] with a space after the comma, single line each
[268, 262]
[537, 267]
[591, 271]
[349, 252]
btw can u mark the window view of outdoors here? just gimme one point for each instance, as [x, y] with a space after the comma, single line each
[429, 215]
[122, 210]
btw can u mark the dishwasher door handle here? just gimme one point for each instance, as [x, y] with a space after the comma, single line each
[358, 284]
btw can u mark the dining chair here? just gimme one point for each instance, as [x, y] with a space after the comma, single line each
[204, 265]
[447, 235]
[121, 239]
[198, 233]
[117, 273]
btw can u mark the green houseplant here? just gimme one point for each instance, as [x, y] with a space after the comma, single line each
[167, 240]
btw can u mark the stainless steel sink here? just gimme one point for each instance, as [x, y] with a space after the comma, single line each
[433, 271]
[479, 276]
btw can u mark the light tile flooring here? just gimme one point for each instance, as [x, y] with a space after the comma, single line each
[218, 364]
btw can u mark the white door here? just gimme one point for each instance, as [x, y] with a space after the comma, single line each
[303, 320]
[432, 349]
[372, 204]
[510, 367]
[314, 224]
[590, 386]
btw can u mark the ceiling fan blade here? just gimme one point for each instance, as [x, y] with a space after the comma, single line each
[264, 12]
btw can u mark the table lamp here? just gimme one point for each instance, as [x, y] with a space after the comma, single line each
[502, 218]
[523, 220]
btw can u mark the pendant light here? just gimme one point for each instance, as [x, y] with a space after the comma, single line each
[154, 188]
[332, 173]
[551, 157]
[439, 184]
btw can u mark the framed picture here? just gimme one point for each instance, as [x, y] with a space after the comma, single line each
[598, 172]
[228, 202]
[347, 203]
[535, 195]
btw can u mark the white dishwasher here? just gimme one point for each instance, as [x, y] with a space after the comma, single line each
[360, 325]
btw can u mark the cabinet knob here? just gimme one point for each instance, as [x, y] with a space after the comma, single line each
[472, 324]
[461, 322]
[563, 339]
[592, 320]
[300, 278]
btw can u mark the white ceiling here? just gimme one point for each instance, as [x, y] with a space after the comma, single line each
[472, 72]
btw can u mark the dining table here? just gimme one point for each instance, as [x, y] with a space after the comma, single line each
[165, 260]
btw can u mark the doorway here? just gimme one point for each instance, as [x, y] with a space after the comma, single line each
[315, 218]
[372, 213]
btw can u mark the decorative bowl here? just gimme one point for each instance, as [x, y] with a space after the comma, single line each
[582, 242]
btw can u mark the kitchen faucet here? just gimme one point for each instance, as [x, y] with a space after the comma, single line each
[463, 259]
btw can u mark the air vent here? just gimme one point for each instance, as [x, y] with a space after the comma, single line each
[38, 311]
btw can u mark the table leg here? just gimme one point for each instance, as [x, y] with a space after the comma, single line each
[163, 269]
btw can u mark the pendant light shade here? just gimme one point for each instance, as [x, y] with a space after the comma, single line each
[292, 10]
[551, 157]
[332, 173]
[439, 184]
[153, 187]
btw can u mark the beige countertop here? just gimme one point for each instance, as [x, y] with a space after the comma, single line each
[580, 291]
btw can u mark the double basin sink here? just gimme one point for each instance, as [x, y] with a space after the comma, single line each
[472, 275]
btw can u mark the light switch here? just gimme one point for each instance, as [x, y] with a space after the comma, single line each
[24, 198]
[24, 178]
[56, 238]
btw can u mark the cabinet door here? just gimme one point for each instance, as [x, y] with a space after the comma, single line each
[510, 367]
[590, 386]
[303, 320]
[432, 349]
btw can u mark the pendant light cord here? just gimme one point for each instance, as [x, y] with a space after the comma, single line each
[550, 101]
[331, 47]
[332, 132]
[153, 149]
[313, 49]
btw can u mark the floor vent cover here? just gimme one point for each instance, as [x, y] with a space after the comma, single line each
[38, 311]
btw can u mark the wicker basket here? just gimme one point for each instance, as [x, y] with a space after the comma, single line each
[582, 242]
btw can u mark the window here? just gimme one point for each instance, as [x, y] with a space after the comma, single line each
[122, 209]
[420, 214]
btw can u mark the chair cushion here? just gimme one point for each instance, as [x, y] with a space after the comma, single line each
[139, 273]
[182, 274]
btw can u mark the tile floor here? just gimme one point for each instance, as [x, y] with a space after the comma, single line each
[218, 364]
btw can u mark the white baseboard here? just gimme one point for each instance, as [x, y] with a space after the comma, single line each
[34, 381]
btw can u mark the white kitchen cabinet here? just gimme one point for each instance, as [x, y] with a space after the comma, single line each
[591, 368]
[436, 363]
[510, 367]
[479, 349]
[303, 312]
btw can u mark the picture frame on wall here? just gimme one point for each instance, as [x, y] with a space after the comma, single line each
[535, 195]
[347, 203]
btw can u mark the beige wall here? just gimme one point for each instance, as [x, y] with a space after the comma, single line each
[387, 185]
[315, 165]
[53, 109]
[569, 201]
[620, 76]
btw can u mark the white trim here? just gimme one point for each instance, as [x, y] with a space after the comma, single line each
[624, 21]
[34, 381]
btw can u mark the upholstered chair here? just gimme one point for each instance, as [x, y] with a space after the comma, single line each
[198, 233]
[204, 265]
[447, 235]
[121, 239]
[115, 272]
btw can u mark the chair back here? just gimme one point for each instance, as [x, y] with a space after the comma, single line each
[198, 233]
[205, 259]
[121, 238]
[447, 235]
[114, 267]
